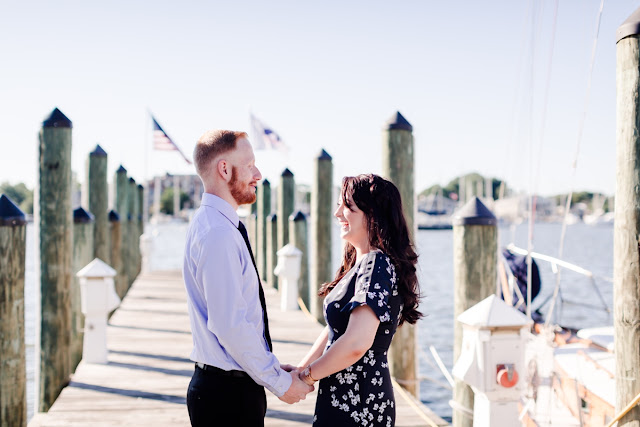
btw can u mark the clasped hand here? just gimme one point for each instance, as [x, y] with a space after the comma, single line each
[298, 390]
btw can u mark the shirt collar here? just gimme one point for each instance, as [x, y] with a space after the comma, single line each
[221, 205]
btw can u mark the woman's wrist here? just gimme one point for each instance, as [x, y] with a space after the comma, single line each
[306, 377]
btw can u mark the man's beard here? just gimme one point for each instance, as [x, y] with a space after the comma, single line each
[240, 192]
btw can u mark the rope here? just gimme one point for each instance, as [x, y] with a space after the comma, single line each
[575, 160]
[625, 411]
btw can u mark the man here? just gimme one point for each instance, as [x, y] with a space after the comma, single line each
[231, 341]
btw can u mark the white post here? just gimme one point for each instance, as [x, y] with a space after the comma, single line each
[98, 299]
[288, 272]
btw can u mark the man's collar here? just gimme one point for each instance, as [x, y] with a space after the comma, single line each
[222, 205]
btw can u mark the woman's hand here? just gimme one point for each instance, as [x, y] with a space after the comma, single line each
[288, 368]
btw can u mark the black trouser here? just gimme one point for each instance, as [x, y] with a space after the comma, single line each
[216, 398]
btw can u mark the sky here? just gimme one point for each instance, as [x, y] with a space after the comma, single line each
[489, 87]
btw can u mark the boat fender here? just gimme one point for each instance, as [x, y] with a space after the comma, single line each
[507, 375]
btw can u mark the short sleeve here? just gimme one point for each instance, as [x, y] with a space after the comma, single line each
[375, 283]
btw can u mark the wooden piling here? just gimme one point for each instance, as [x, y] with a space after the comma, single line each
[264, 210]
[286, 205]
[98, 201]
[252, 227]
[298, 236]
[13, 372]
[626, 264]
[272, 249]
[53, 217]
[321, 225]
[115, 234]
[475, 249]
[132, 238]
[83, 244]
[122, 208]
[397, 166]
[142, 203]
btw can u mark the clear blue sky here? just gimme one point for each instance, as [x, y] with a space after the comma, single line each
[323, 75]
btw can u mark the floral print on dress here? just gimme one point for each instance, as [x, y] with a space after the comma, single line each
[361, 394]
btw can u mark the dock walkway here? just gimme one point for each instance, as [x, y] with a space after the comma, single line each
[145, 381]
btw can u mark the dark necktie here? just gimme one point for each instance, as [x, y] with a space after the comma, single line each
[245, 236]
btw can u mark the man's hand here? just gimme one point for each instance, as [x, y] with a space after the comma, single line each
[297, 391]
[288, 367]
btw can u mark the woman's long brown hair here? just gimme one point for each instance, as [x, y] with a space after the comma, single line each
[387, 228]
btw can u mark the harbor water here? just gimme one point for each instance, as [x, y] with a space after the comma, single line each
[590, 247]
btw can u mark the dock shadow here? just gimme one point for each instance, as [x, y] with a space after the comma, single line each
[180, 400]
[177, 372]
[151, 356]
[289, 416]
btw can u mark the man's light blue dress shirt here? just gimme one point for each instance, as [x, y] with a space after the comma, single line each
[224, 305]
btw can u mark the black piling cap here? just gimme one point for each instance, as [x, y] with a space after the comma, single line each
[273, 217]
[298, 216]
[98, 152]
[266, 183]
[56, 120]
[80, 216]
[10, 214]
[140, 187]
[121, 169]
[324, 155]
[132, 181]
[287, 172]
[398, 122]
[474, 212]
[630, 27]
[113, 216]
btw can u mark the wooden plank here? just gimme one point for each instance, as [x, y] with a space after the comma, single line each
[145, 381]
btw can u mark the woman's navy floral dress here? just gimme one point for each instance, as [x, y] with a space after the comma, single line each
[362, 394]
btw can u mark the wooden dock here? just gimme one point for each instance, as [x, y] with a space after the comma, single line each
[145, 381]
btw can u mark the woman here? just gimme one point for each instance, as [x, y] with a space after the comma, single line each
[374, 291]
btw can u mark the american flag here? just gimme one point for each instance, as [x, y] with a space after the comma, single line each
[162, 142]
[264, 138]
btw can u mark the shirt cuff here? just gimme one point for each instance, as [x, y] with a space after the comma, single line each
[282, 384]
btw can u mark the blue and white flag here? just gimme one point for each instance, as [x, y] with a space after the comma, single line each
[264, 137]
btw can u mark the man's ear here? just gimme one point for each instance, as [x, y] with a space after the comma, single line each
[224, 169]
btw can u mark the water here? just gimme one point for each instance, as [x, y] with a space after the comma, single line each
[589, 247]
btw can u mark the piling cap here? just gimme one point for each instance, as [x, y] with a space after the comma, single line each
[398, 122]
[121, 169]
[474, 212]
[324, 155]
[113, 216]
[10, 214]
[493, 312]
[273, 217]
[266, 183]
[96, 269]
[298, 216]
[98, 152]
[81, 216]
[629, 27]
[56, 120]
[131, 180]
[140, 187]
[287, 172]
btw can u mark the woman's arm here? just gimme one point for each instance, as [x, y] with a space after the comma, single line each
[349, 348]
[316, 349]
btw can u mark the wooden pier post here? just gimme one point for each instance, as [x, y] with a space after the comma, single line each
[13, 381]
[272, 249]
[475, 249]
[83, 244]
[142, 218]
[298, 236]
[397, 166]
[626, 265]
[98, 201]
[122, 209]
[54, 219]
[132, 239]
[157, 194]
[264, 210]
[321, 226]
[115, 260]
[286, 205]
